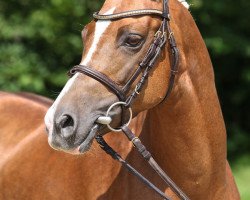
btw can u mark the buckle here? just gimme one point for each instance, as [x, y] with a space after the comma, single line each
[158, 34]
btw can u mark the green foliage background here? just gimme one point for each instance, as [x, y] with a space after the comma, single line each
[41, 40]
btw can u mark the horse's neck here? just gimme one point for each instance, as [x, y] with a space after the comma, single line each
[186, 134]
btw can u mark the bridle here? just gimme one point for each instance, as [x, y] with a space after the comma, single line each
[163, 35]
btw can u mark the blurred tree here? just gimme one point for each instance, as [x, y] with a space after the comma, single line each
[40, 41]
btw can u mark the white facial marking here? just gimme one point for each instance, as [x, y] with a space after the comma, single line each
[50, 113]
[184, 3]
[100, 28]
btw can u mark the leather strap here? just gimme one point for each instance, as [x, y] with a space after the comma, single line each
[100, 77]
[148, 157]
[174, 61]
[131, 13]
[117, 157]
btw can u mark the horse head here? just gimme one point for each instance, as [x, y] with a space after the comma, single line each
[116, 48]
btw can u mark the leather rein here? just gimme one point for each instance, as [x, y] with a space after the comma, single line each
[163, 35]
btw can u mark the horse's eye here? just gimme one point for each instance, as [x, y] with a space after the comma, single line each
[133, 40]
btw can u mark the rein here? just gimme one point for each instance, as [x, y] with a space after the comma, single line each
[163, 35]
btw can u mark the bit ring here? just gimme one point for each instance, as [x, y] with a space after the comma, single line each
[130, 116]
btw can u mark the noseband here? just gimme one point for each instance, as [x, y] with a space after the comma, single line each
[163, 35]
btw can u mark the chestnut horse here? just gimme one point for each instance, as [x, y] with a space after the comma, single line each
[185, 134]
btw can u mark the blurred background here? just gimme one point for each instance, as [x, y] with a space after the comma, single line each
[41, 40]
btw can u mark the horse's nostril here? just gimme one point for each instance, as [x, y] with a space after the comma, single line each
[66, 121]
[66, 126]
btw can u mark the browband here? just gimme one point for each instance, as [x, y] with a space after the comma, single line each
[131, 13]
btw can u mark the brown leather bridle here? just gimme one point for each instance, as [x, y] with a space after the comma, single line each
[163, 35]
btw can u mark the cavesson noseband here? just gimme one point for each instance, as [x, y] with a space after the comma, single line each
[163, 35]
